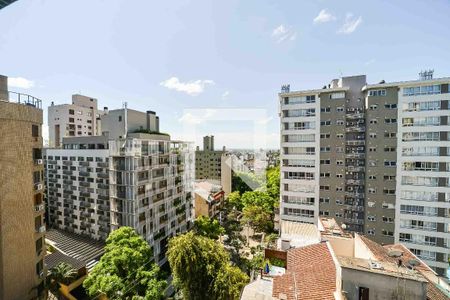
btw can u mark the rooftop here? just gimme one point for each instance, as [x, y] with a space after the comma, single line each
[55, 258]
[310, 274]
[76, 246]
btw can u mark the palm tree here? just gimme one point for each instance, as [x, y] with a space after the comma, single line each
[62, 273]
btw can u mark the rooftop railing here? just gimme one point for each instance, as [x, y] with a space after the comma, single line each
[21, 98]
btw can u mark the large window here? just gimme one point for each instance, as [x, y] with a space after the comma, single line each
[422, 90]
[300, 99]
[377, 93]
[422, 106]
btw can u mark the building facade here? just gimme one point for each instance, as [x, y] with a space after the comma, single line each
[97, 184]
[77, 119]
[22, 230]
[208, 161]
[375, 158]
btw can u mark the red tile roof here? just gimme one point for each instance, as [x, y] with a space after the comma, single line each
[310, 274]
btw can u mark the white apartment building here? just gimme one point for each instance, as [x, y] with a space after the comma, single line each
[97, 184]
[299, 156]
[77, 119]
[423, 170]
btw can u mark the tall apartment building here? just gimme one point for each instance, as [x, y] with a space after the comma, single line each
[97, 184]
[211, 164]
[77, 119]
[375, 158]
[22, 226]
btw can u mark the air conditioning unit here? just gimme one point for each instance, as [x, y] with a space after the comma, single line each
[39, 186]
[39, 161]
[42, 229]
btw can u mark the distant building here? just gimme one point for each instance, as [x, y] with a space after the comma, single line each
[80, 118]
[211, 164]
[209, 199]
[22, 228]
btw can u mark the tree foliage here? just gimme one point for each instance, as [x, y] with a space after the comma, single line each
[208, 227]
[61, 273]
[201, 268]
[126, 270]
[273, 183]
[258, 218]
[234, 200]
[258, 198]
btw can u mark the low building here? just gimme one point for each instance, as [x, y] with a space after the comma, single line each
[345, 266]
[209, 199]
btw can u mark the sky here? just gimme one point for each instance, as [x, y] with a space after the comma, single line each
[214, 67]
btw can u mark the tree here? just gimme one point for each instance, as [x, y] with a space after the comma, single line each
[258, 218]
[258, 198]
[208, 227]
[201, 268]
[234, 200]
[273, 183]
[126, 270]
[232, 278]
[62, 273]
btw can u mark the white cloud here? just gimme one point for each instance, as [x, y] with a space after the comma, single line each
[283, 33]
[192, 88]
[197, 118]
[323, 17]
[20, 82]
[225, 95]
[350, 24]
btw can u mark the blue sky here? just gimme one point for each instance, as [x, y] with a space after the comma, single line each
[171, 56]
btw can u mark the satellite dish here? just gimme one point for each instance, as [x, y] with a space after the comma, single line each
[395, 253]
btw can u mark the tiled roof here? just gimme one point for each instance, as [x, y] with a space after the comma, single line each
[310, 274]
[377, 250]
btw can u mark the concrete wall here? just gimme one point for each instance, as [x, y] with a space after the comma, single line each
[18, 254]
[225, 173]
[3, 87]
[113, 123]
[380, 286]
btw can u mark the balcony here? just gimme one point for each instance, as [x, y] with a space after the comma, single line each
[39, 207]
[84, 173]
[355, 142]
[40, 229]
[67, 172]
[103, 165]
[83, 163]
[67, 163]
[103, 175]
[355, 155]
[354, 182]
[354, 221]
[355, 168]
[355, 129]
[84, 183]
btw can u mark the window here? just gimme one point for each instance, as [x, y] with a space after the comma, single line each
[339, 109]
[340, 122]
[388, 191]
[325, 109]
[389, 149]
[325, 149]
[325, 162]
[372, 149]
[338, 215]
[324, 213]
[71, 112]
[325, 123]
[377, 93]
[388, 219]
[373, 121]
[34, 130]
[324, 187]
[339, 189]
[340, 135]
[339, 149]
[120, 118]
[324, 135]
[372, 135]
[371, 218]
[339, 202]
[373, 107]
[390, 163]
[370, 232]
[422, 90]
[390, 134]
[372, 177]
[389, 177]
[340, 162]
[390, 106]
[324, 200]
[387, 232]
[324, 175]
[339, 176]
[390, 120]
[371, 190]
[337, 95]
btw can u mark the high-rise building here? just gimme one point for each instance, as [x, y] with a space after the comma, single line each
[22, 229]
[211, 164]
[122, 178]
[373, 156]
[77, 119]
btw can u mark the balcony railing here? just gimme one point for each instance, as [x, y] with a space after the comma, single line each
[24, 99]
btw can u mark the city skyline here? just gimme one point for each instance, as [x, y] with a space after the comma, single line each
[184, 56]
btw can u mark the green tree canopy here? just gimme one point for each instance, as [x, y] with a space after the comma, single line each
[234, 200]
[273, 183]
[61, 273]
[126, 270]
[201, 268]
[258, 218]
[208, 227]
[258, 198]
